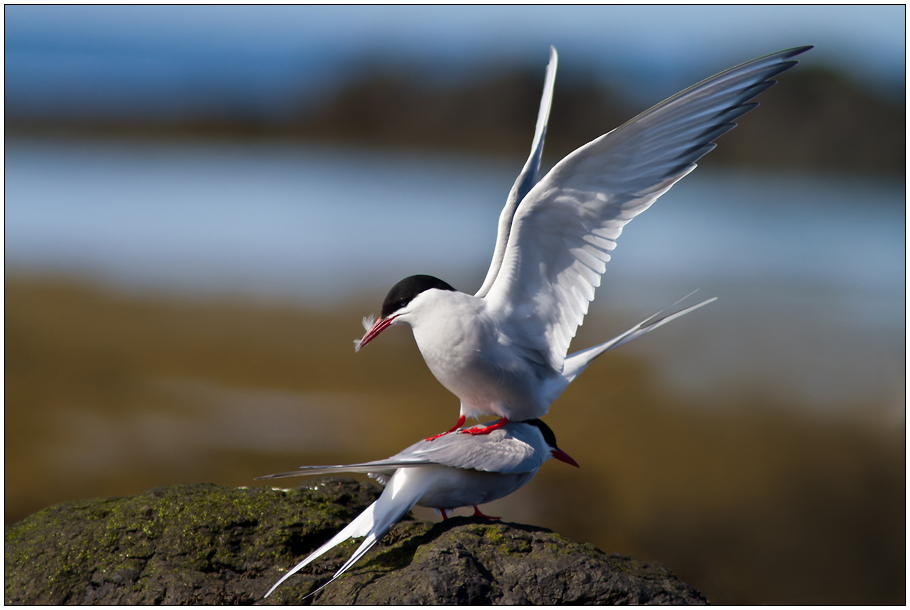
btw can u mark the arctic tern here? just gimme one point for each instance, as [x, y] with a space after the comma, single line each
[453, 472]
[503, 350]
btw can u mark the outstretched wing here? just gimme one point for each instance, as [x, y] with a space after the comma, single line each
[526, 179]
[565, 227]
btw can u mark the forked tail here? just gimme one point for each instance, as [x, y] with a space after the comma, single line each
[400, 495]
[576, 363]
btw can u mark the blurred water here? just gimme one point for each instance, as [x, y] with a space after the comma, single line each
[316, 224]
[809, 269]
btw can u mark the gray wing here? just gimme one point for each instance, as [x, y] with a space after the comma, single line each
[526, 179]
[565, 227]
[517, 447]
[377, 467]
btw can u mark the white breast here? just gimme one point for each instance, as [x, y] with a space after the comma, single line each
[475, 359]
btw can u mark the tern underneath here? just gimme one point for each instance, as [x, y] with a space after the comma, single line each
[453, 472]
[503, 350]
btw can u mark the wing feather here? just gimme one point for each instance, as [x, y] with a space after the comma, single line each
[564, 229]
[526, 179]
[508, 450]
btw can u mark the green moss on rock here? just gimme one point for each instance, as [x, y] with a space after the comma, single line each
[210, 544]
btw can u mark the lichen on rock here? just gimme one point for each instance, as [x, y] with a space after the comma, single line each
[211, 544]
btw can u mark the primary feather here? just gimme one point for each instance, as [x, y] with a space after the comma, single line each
[527, 178]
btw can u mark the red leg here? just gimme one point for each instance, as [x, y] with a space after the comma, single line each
[445, 517]
[457, 426]
[502, 422]
[477, 513]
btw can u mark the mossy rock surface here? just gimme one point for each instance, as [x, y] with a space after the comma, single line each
[210, 544]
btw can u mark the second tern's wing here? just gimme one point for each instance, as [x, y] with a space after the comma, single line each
[517, 447]
[378, 467]
[508, 450]
[565, 227]
[526, 179]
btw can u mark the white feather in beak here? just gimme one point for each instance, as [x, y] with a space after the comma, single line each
[367, 325]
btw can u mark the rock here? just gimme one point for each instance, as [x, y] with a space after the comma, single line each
[210, 544]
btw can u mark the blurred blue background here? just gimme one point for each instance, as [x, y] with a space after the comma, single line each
[158, 59]
[313, 156]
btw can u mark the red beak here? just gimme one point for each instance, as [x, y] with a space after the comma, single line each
[562, 456]
[380, 325]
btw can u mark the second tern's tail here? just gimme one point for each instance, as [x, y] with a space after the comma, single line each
[400, 495]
